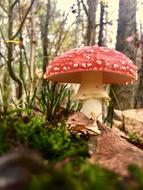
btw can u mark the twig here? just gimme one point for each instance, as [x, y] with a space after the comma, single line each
[2, 6]
[85, 9]
[14, 3]
[23, 21]
[2, 35]
[3, 57]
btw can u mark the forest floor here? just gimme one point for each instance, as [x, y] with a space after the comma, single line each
[38, 154]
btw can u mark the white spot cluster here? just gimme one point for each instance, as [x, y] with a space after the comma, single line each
[89, 64]
[92, 59]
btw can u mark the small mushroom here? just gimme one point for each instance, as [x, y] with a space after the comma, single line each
[92, 67]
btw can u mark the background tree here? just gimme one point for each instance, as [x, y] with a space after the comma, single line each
[124, 95]
[90, 11]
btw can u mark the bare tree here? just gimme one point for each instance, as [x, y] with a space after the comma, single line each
[44, 27]
[101, 40]
[126, 27]
[10, 11]
[91, 20]
[32, 51]
[139, 83]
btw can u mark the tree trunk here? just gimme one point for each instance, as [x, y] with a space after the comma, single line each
[10, 52]
[32, 52]
[139, 89]
[91, 18]
[44, 27]
[101, 29]
[124, 94]
[44, 22]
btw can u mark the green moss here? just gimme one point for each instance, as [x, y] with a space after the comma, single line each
[133, 137]
[52, 141]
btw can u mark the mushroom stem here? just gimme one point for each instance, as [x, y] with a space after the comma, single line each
[92, 96]
[92, 105]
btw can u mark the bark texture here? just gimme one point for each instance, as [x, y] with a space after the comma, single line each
[91, 21]
[126, 27]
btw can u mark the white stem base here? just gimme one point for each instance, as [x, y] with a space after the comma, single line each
[92, 106]
[92, 94]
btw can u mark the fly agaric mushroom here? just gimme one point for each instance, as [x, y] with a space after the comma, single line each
[92, 67]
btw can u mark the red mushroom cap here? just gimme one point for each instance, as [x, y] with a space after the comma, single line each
[90, 61]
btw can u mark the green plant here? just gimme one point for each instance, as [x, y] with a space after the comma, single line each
[30, 100]
[82, 177]
[55, 99]
[133, 137]
[52, 141]
[3, 141]
[136, 173]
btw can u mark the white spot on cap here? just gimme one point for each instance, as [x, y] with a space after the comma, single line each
[64, 68]
[89, 64]
[56, 69]
[88, 57]
[49, 66]
[123, 63]
[75, 65]
[84, 64]
[107, 64]
[70, 63]
[104, 49]
[115, 66]
[123, 68]
[99, 62]
[70, 55]
[91, 50]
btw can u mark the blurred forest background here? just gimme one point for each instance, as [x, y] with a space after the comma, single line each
[33, 32]
[33, 112]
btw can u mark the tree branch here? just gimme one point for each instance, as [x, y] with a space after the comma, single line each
[44, 24]
[2, 6]
[14, 3]
[13, 75]
[85, 9]
[23, 21]
[2, 35]
[3, 57]
[2, 65]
